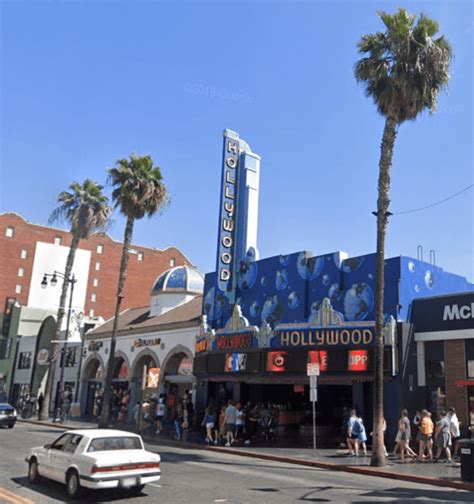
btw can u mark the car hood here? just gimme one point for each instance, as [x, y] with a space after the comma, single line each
[107, 458]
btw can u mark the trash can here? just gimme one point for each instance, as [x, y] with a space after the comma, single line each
[467, 459]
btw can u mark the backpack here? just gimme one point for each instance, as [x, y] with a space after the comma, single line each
[357, 427]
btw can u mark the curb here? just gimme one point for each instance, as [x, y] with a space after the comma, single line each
[367, 471]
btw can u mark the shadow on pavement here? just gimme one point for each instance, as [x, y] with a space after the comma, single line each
[53, 490]
[411, 495]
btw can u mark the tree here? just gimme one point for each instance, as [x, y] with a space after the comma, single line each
[139, 191]
[404, 69]
[86, 210]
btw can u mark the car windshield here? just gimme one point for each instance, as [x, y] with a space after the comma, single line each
[115, 443]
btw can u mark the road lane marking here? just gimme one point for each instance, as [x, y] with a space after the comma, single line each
[155, 485]
[13, 497]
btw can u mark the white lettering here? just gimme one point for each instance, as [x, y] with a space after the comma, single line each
[228, 225]
[231, 147]
[231, 162]
[227, 241]
[451, 312]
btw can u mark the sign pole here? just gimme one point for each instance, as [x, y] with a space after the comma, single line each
[314, 422]
[312, 370]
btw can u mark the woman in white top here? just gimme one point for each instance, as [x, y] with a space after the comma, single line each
[239, 421]
[455, 430]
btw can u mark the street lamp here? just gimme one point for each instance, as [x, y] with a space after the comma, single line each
[53, 281]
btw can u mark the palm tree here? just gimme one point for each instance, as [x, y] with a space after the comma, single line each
[139, 191]
[403, 70]
[86, 210]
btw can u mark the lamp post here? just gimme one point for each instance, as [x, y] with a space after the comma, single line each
[53, 281]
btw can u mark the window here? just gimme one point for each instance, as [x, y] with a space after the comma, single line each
[73, 443]
[61, 442]
[470, 369]
[57, 240]
[69, 357]
[140, 256]
[97, 266]
[95, 282]
[21, 272]
[93, 297]
[18, 289]
[115, 443]
[172, 262]
[9, 232]
[24, 254]
[91, 312]
[100, 249]
[24, 360]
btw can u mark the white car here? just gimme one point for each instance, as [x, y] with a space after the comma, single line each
[95, 458]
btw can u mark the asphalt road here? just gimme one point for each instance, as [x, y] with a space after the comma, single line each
[195, 477]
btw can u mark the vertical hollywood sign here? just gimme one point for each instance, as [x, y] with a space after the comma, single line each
[227, 219]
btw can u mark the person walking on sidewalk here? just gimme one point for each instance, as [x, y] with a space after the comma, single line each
[354, 430]
[455, 430]
[40, 401]
[405, 435]
[209, 422]
[426, 436]
[230, 421]
[443, 437]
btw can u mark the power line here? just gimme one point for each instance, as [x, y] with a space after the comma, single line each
[435, 204]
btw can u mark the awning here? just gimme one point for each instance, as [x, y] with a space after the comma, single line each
[180, 379]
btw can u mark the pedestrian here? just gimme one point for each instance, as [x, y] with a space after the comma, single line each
[455, 430]
[354, 429]
[40, 404]
[443, 437]
[239, 421]
[177, 420]
[230, 421]
[160, 413]
[221, 433]
[417, 423]
[426, 436]
[209, 422]
[405, 435]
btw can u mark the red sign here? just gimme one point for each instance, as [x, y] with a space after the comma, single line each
[234, 341]
[298, 388]
[276, 362]
[319, 357]
[358, 360]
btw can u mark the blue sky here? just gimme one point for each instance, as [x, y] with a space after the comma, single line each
[87, 82]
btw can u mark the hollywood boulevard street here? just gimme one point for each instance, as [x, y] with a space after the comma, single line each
[194, 476]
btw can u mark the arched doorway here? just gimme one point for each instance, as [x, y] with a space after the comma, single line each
[143, 362]
[178, 376]
[92, 387]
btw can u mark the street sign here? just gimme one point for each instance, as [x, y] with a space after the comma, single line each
[312, 369]
[42, 357]
[313, 382]
[313, 395]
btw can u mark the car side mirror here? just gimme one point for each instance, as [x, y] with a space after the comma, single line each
[47, 446]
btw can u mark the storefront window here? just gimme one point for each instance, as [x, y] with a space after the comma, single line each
[24, 360]
[434, 355]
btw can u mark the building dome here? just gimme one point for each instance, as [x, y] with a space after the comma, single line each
[179, 279]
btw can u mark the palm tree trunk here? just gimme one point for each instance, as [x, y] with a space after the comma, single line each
[44, 413]
[388, 140]
[105, 416]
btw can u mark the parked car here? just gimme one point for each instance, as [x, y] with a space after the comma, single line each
[96, 459]
[7, 415]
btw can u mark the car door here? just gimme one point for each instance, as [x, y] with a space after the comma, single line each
[57, 458]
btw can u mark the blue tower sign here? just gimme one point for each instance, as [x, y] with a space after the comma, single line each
[238, 213]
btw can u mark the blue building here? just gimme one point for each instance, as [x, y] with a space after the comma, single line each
[269, 318]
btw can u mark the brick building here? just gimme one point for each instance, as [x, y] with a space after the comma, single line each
[18, 245]
[28, 308]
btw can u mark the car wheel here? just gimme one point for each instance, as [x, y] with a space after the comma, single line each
[73, 485]
[10, 426]
[33, 474]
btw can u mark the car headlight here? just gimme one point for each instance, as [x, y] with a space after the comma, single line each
[14, 412]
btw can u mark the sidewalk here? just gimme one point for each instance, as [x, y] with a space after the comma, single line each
[440, 474]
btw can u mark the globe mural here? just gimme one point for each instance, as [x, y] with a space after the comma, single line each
[326, 279]
[411, 267]
[272, 311]
[293, 300]
[429, 279]
[334, 293]
[214, 305]
[255, 309]
[352, 264]
[284, 260]
[358, 302]
[309, 267]
[247, 274]
[281, 279]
